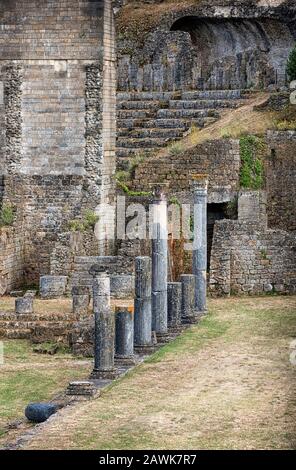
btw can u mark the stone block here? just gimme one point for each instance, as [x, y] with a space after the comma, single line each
[122, 286]
[52, 287]
[24, 305]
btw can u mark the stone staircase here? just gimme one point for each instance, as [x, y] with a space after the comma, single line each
[36, 327]
[149, 121]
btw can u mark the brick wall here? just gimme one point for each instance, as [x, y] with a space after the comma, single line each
[218, 158]
[11, 259]
[57, 126]
[281, 177]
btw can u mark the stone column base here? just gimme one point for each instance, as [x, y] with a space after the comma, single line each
[104, 374]
[125, 361]
[192, 320]
[144, 350]
[163, 338]
[176, 330]
[82, 388]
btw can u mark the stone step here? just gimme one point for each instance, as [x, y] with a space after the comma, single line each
[35, 317]
[24, 333]
[135, 113]
[165, 123]
[141, 105]
[203, 104]
[131, 152]
[42, 333]
[186, 113]
[147, 143]
[32, 324]
[212, 95]
[141, 133]
[147, 95]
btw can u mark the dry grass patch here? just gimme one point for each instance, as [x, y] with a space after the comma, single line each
[53, 306]
[27, 377]
[227, 383]
[136, 20]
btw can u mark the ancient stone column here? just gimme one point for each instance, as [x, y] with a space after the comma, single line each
[174, 305]
[188, 298]
[200, 191]
[124, 336]
[81, 299]
[104, 337]
[143, 313]
[159, 265]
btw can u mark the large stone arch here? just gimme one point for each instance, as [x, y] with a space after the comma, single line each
[237, 52]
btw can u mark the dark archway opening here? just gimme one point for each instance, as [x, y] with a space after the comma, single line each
[226, 210]
[238, 53]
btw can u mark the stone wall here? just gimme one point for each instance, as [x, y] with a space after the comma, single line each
[281, 177]
[12, 259]
[57, 121]
[249, 258]
[218, 158]
[211, 45]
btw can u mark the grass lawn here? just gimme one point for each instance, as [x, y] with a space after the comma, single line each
[27, 377]
[227, 383]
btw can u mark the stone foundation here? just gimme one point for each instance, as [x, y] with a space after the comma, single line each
[249, 258]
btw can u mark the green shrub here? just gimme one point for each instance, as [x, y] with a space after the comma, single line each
[76, 226]
[174, 200]
[176, 149]
[130, 192]
[88, 222]
[225, 133]
[134, 163]
[122, 175]
[285, 125]
[252, 168]
[291, 65]
[6, 215]
[90, 219]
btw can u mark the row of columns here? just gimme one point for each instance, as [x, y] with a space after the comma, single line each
[195, 285]
[159, 306]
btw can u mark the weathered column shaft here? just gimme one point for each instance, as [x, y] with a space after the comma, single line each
[124, 336]
[188, 298]
[159, 267]
[104, 327]
[200, 186]
[174, 304]
[143, 313]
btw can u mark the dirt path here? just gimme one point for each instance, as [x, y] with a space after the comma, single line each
[225, 384]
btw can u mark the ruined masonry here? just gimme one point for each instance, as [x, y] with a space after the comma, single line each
[82, 101]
